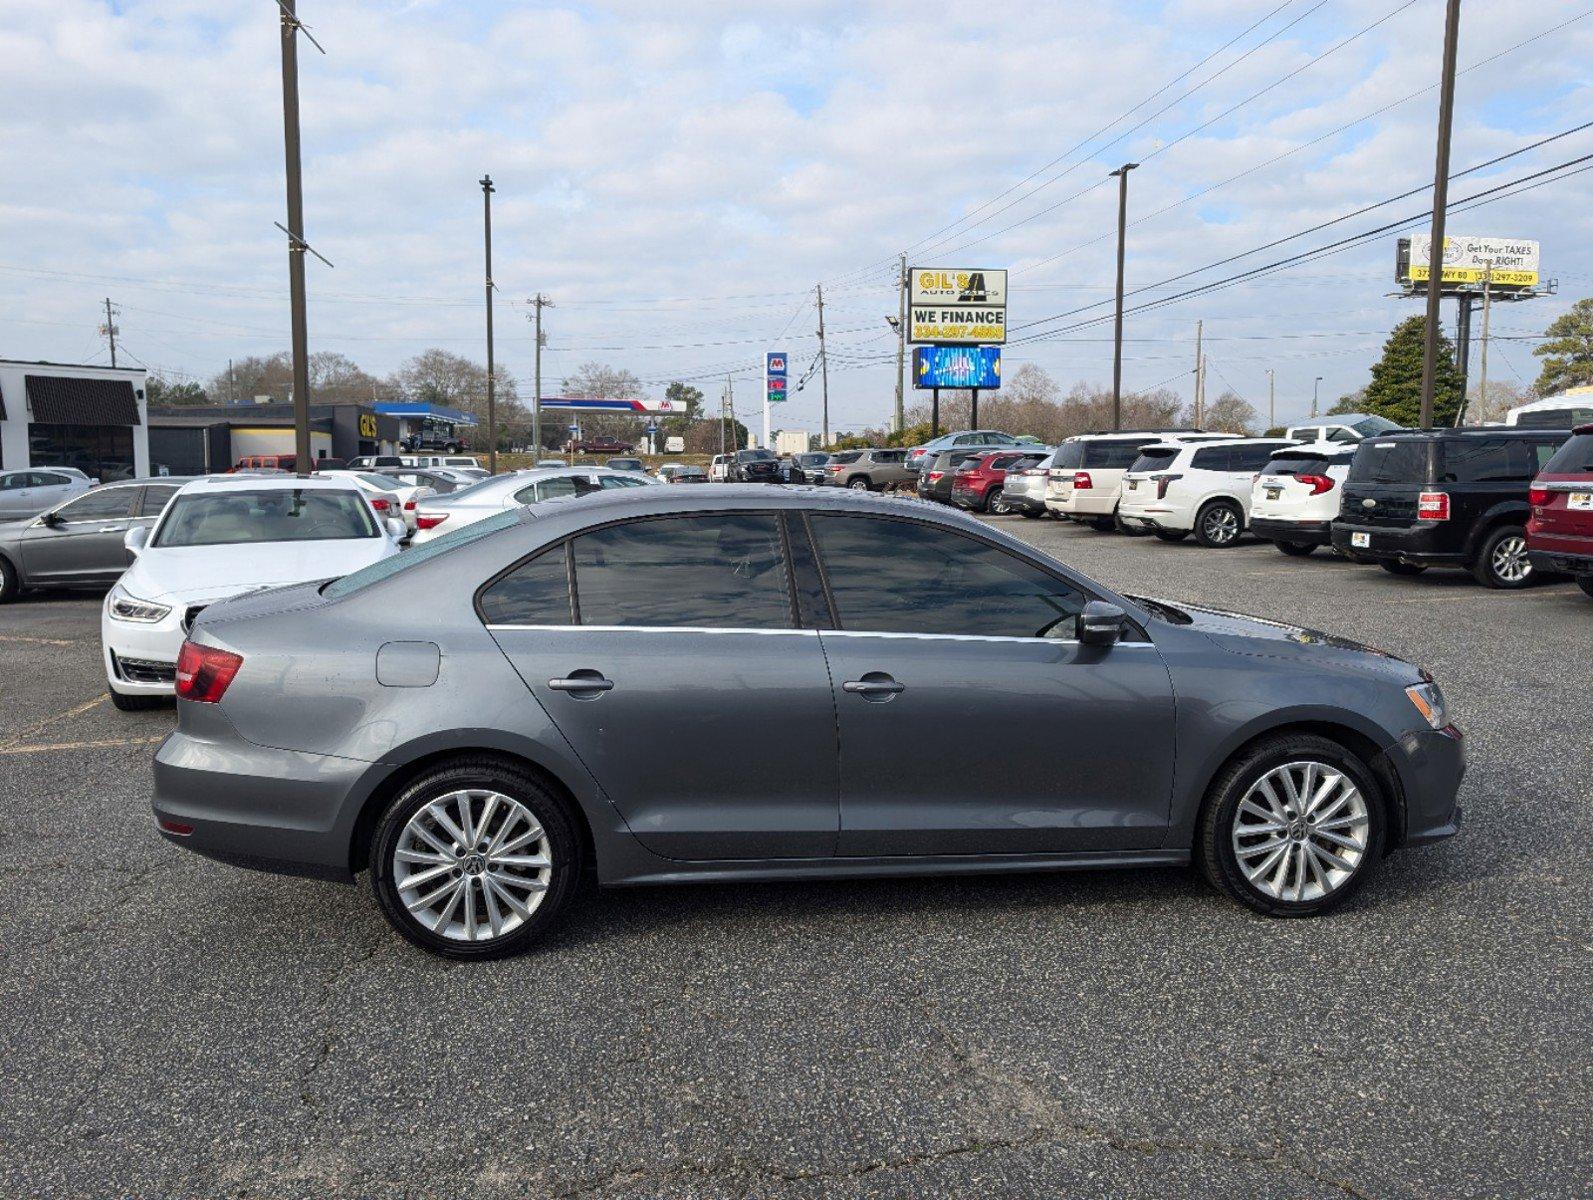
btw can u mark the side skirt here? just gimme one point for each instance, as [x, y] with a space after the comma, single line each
[863, 868]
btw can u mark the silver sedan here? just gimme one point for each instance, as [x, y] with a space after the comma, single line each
[442, 515]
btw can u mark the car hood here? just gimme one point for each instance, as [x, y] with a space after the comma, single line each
[195, 573]
[1241, 633]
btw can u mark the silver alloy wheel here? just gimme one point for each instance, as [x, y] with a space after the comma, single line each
[1301, 831]
[1221, 524]
[998, 503]
[472, 865]
[1509, 561]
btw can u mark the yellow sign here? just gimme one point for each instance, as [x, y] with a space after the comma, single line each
[367, 425]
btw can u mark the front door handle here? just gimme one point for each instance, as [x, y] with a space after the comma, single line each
[875, 685]
[579, 682]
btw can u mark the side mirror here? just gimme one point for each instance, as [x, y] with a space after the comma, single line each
[396, 528]
[53, 520]
[1101, 624]
[135, 538]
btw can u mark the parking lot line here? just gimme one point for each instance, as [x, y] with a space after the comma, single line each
[106, 743]
[67, 715]
[36, 641]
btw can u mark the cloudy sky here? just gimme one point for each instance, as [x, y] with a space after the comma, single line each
[678, 177]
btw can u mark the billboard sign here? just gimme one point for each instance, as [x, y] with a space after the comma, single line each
[775, 375]
[1466, 261]
[956, 306]
[956, 366]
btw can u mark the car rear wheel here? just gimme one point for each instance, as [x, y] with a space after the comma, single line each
[474, 860]
[1296, 549]
[996, 503]
[1292, 827]
[1219, 524]
[1172, 535]
[1031, 514]
[859, 483]
[1503, 562]
[10, 584]
[1586, 584]
[1103, 524]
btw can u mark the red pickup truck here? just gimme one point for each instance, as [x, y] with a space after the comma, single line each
[603, 445]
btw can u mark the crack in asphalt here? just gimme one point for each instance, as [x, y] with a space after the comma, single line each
[324, 1019]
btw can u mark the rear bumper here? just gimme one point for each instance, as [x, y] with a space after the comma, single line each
[1316, 533]
[1025, 502]
[1395, 543]
[1157, 516]
[254, 806]
[1554, 561]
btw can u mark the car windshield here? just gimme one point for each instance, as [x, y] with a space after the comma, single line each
[1397, 460]
[754, 455]
[1154, 459]
[277, 515]
[399, 563]
[1372, 426]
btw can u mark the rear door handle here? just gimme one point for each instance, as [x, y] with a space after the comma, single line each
[582, 681]
[875, 685]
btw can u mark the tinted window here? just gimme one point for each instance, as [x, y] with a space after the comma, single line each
[46, 479]
[156, 497]
[1069, 456]
[754, 455]
[1154, 460]
[722, 572]
[107, 505]
[1371, 426]
[1573, 457]
[903, 577]
[848, 457]
[1213, 458]
[280, 515]
[1251, 458]
[534, 593]
[1001, 462]
[812, 605]
[1483, 460]
[1298, 464]
[1113, 455]
[1555, 418]
[410, 559]
[1397, 460]
[890, 456]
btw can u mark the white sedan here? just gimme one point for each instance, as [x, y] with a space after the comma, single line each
[218, 538]
[444, 514]
[389, 495]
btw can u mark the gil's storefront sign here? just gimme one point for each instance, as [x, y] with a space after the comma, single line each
[956, 306]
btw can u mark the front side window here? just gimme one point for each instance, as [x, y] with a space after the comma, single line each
[279, 515]
[895, 576]
[724, 571]
[109, 504]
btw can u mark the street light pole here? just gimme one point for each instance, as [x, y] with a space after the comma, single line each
[901, 337]
[1117, 325]
[1272, 399]
[1315, 385]
[1435, 256]
[296, 243]
[492, 399]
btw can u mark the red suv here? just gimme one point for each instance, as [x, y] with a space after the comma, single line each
[978, 482]
[1560, 530]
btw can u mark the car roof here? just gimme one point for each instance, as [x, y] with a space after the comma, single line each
[1472, 431]
[221, 484]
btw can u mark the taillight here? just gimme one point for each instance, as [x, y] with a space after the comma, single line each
[1161, 484]
[1319, 484]
[1538, 495]
[427, 520]
[409, 506]
[203, 672]
[1432, 506]
[379, 504]
[934, 475]
[1082, 480]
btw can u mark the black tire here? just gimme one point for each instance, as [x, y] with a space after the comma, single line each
[1103, 524]
[10, 582]
[1214, 844]
[1399, 568]
[1585, 582]
[1030, 514]
[1502, 562]
[549, 811]
[1218, 524]
[133, 703]
[995, 502]
[1296, 549]
[859, 482]
[1172, 535]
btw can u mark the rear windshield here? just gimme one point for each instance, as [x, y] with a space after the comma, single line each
[754, 455]
[279, 515]
[1290, 463]
[1112, 455]
[1396, 460]
[387, 567]
[1573, 457]
[1154, 460]
[1069, 455]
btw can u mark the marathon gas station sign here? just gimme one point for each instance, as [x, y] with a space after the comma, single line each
[951, 306]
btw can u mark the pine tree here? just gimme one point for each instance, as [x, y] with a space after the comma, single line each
[1568, 353]
[1396, 388]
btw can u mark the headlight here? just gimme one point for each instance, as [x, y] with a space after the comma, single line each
[1429, 701]
[125, 607]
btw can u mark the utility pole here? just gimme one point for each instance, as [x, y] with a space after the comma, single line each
[901, 338]
[1200, 372]
[1482, 381]
[541, 302]
[824, 363]
[232, 384]
[110, 328]
[727, 410]
[296, 242]
[1272, 399]
[1435, 257]
[492, 399]
[1117, 324]
[1315, 385]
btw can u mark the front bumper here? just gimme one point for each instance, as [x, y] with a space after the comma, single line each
[1315, 533]
[1431, 765]
[141, 659]
[1394, 543]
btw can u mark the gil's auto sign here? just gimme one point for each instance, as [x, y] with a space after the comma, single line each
[956, 306]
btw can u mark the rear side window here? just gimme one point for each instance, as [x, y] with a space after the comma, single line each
[1574, 457]
[1154, 460]
[892, 576]
[1397, 460]
[1485, 460]
[725, 571]
[534, 593]
[1069, 456]
[1213, 458]
[1111, 456]
[849, 456]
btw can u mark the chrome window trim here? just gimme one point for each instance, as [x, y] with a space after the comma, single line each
[850, 633]
[649, 629]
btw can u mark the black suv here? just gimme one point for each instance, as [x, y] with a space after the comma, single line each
[756, 466]
[1445, 498]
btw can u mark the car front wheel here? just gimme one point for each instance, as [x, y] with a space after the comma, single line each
[474, 860]
[1219, 524]
[859, 483]
[1292, 827]
[10, 584]
[1503, 562]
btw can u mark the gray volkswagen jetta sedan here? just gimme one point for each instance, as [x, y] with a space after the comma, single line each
[657, 685]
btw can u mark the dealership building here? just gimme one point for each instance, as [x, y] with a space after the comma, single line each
[197, 439]
[74, 415]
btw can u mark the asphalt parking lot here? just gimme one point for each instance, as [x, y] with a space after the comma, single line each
[177, 1028]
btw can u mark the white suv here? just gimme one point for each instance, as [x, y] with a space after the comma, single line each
[1297, 494]
[1177, 488]
[1087, 469]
